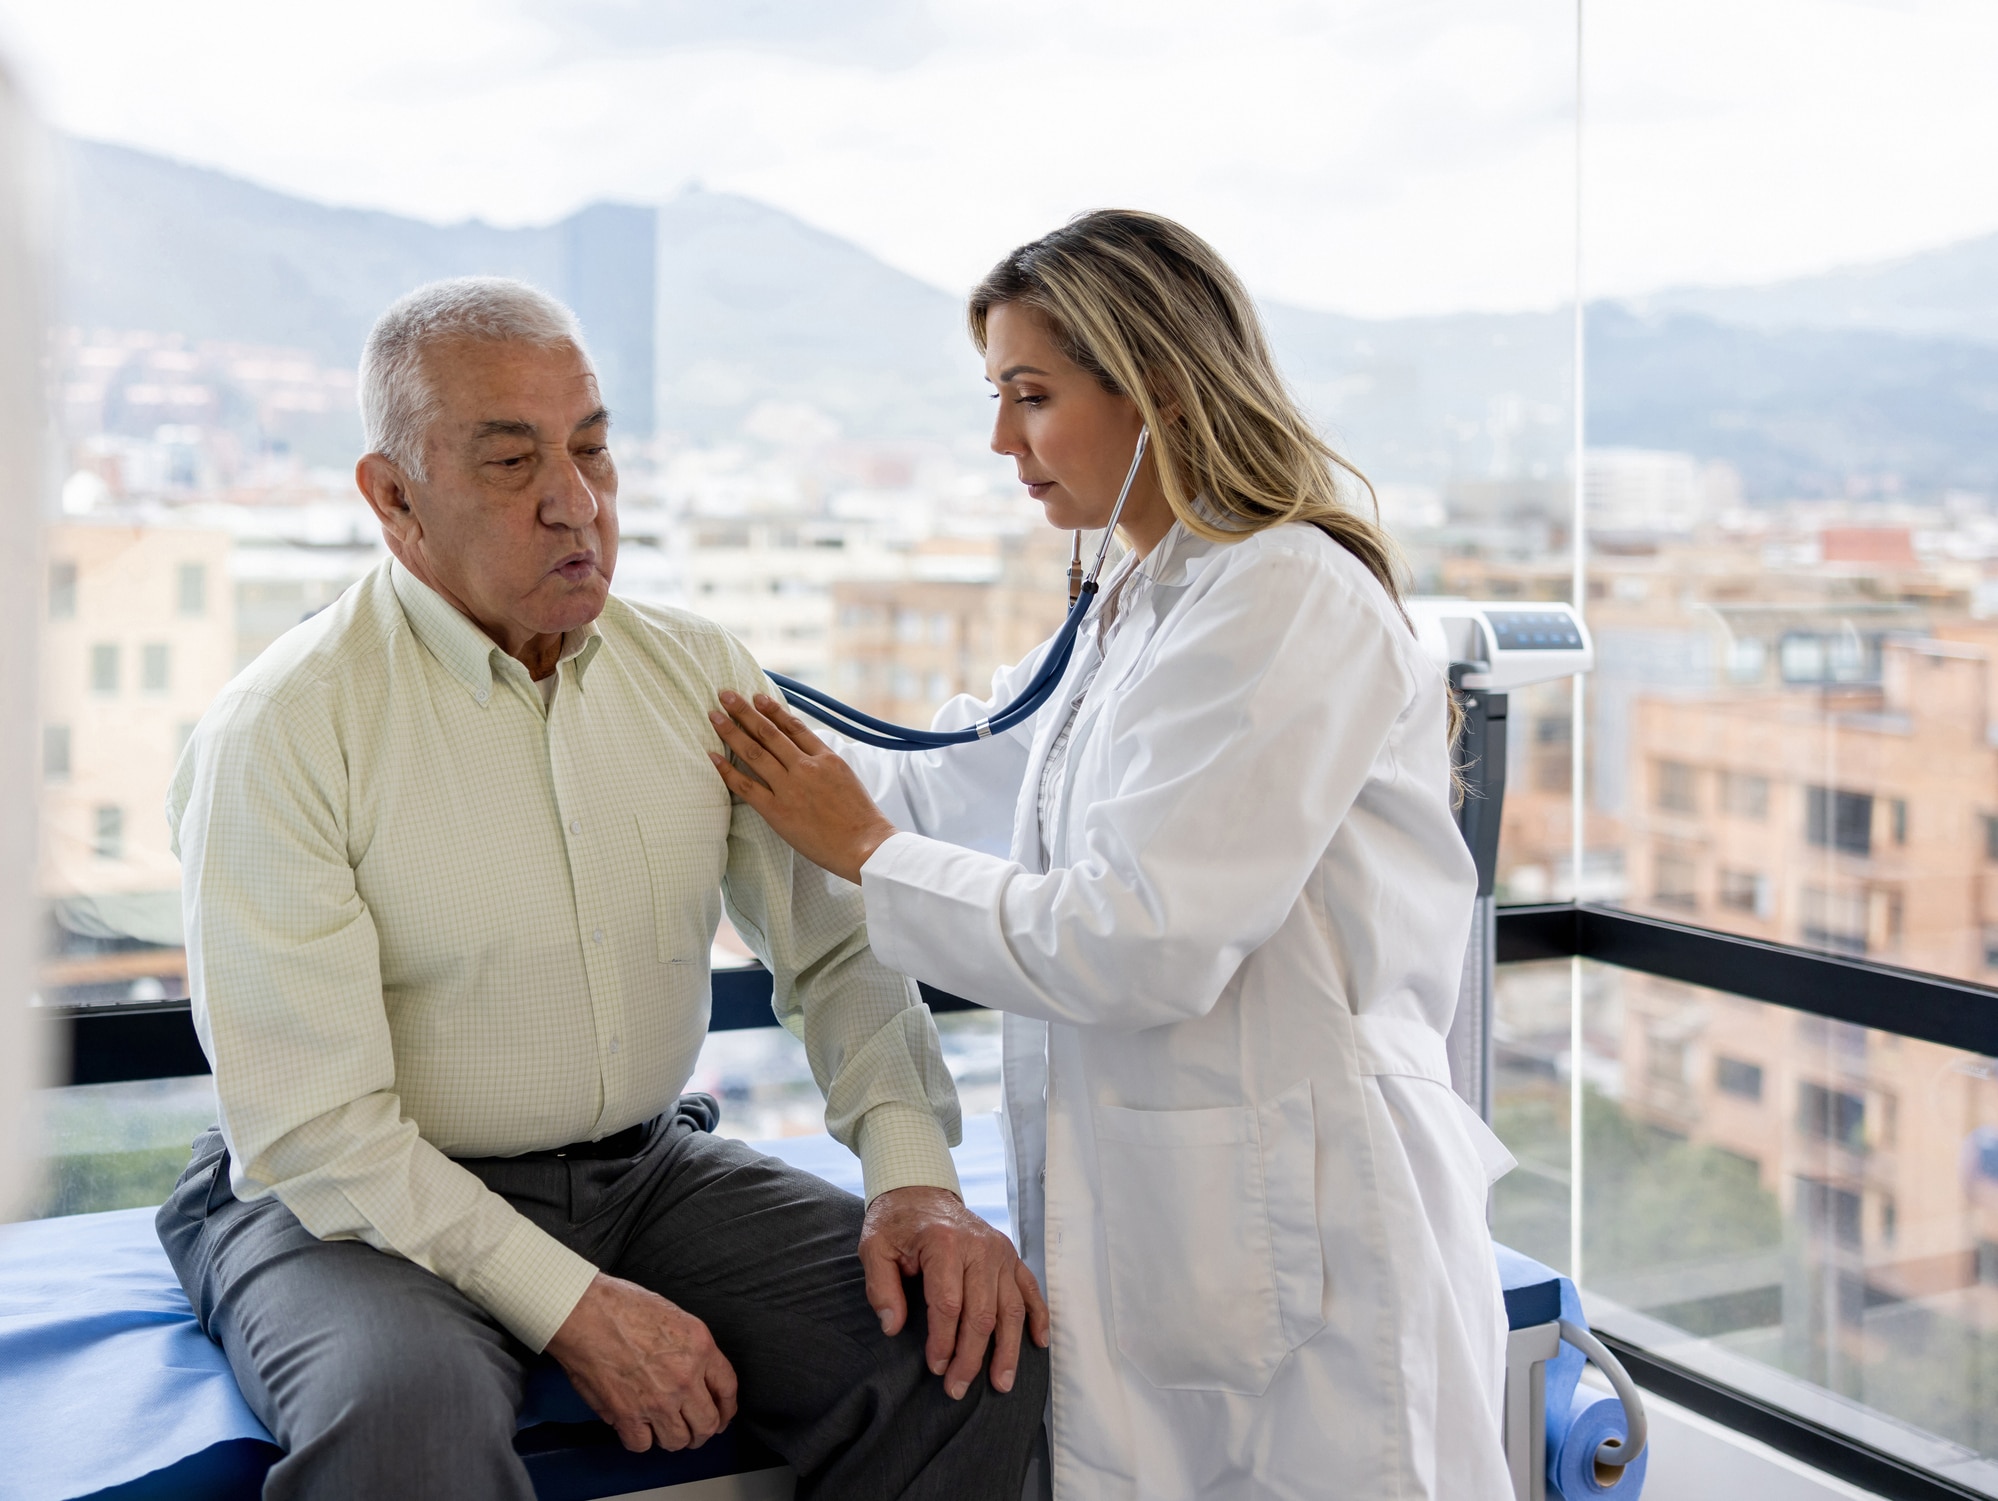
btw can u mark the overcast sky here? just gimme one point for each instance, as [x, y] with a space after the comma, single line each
[1373, 156]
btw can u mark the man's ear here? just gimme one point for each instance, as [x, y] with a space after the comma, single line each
[387, 491]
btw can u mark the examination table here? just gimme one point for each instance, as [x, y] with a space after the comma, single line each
[110, 1391]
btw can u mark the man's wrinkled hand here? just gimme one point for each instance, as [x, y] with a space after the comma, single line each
[975, 1286]
[649, 1368]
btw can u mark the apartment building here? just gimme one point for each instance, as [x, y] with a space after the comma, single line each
[139, 636]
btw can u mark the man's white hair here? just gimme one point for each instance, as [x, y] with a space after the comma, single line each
[397, 402]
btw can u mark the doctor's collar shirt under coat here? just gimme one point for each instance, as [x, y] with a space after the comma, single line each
[1235, 1158]
[430, 915]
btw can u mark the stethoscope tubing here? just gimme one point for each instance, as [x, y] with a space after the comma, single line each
[858, 725]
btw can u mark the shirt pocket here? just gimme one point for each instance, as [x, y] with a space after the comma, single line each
[1216, 1266]
[686, 893]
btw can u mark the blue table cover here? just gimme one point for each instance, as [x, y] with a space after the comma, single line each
[108, 1388]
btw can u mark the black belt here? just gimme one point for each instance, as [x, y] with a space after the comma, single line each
[702, 1111]
[626, 1143]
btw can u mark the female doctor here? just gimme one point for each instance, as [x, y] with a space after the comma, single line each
[1216, 888]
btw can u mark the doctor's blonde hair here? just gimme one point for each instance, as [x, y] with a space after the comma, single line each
[1148, 308]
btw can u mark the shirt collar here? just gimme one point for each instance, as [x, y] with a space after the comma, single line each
[468, 653]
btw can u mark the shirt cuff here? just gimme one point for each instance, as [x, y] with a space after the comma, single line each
[531, 1283]
[903, 1146]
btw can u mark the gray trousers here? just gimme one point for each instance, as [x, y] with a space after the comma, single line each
[379, 1379]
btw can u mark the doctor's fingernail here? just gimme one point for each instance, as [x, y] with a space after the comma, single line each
[1003, 1383]
[958, 1389]
[937, 1367]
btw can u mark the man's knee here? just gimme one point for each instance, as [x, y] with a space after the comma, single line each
[399, 1417]
[407, 1378]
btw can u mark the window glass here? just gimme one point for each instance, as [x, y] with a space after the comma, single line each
[108, 842]
[193, 589]
[155, 666]
[800, 421]
[117, 1146]
[104, 667]
[1799, 1209]
[62, 591]
[1792, 495]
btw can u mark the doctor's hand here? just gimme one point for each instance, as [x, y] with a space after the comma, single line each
[975, 1286]
[648, 1367]
[798, 783]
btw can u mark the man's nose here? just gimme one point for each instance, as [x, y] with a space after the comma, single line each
[569, 500]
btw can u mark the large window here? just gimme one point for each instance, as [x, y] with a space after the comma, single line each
[1774, 494]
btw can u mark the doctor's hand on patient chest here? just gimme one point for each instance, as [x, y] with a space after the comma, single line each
[648, 1367]
[805, 792]
[975, 1287]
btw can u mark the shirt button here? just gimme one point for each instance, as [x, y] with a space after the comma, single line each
[480, 695]
[598, 936]
[613, 1044]
[575, 826]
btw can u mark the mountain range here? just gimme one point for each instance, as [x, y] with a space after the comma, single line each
[709, 306]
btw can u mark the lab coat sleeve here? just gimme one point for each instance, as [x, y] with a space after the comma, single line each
[964, 794]
[1235, 757]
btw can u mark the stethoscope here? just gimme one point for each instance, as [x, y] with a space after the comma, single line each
[868, 730]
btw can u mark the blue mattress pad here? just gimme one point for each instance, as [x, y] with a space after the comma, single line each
[110, 1389]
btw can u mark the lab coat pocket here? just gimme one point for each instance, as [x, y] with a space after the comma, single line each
[1210, 1221]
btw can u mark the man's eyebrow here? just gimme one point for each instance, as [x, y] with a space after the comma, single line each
[599, 418]
[503, 427]
[1012, 370]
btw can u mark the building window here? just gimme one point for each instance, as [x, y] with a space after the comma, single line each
[155, 666]
[1744, 796]
[1834, 819]
[1745, 891]
[1832, 1115]
[1834, 919]
[109, 843]
[55, 753]
[193, 589]
[1897, 814]
[1665, 1060]
[62, 591]
[1743, 1080]
[1991, 837]
[1678, 787]
[104, 667]
[1673, 880]
[1829, 1211]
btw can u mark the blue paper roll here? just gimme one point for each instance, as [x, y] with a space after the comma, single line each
[1571, 1466]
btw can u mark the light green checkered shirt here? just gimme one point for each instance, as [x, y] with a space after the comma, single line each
[430, 917]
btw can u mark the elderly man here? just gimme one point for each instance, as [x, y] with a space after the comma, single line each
[453, 858]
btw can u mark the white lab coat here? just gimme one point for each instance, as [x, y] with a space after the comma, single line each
[1235, 1158]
